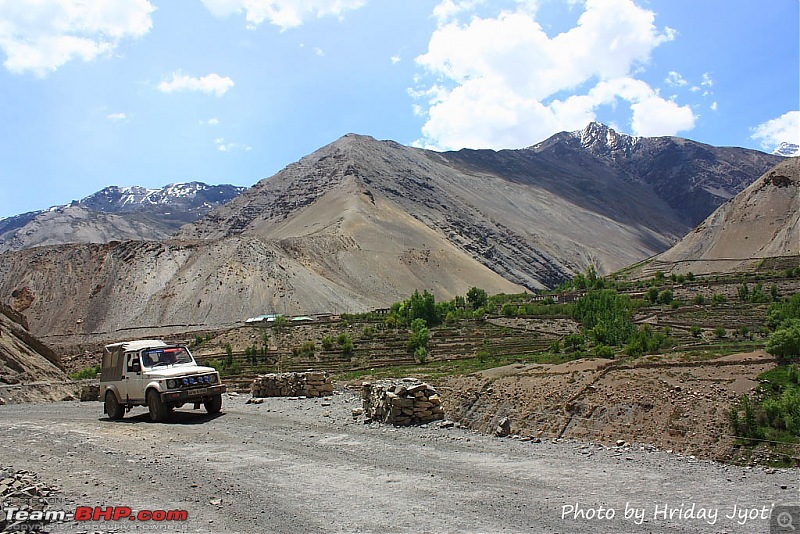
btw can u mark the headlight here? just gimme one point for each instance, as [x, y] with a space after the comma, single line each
[212, 379]
[172, 384]
[185, 381]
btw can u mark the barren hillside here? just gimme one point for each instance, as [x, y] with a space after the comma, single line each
[25, 360]
[362, 223]
[763, 221]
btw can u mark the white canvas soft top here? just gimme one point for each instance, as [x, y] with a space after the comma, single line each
[137, 345]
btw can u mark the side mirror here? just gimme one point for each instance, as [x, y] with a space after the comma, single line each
[136, 367]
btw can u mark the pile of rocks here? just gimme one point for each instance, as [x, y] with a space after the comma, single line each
[308, 384]
[21, 490]
[404, 402]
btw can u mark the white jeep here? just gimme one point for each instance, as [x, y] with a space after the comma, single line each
[160, 376]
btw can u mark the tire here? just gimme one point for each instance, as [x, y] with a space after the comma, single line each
[213, 405]
[114, 409]
[159, 412]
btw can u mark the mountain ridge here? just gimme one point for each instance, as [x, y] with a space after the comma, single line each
[115, 214]
[362, 223]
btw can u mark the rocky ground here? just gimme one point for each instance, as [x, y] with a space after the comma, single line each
[307, 465]
[662, 400]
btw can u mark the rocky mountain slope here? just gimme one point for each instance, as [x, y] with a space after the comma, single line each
[763, 221]
[362, 223]
[115, 213]
[693, 178]
[25, 360]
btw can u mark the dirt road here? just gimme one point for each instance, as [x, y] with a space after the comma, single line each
[306, 465]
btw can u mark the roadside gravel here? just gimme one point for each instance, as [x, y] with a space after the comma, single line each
[307, 465]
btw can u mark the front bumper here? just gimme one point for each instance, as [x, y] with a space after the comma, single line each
[193, 395]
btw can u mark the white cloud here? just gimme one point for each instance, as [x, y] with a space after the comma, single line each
[211, 122]
[395, 60]
[714, 106]
[222, 146]
[784, 129]
[117, 117]
[40, 36]
[707, 81]
[503, 82]
[449, 9]
[320, 52]
[211, 83]
[283, 13]
[675, 79]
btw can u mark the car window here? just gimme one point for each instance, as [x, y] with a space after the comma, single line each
[131, 359]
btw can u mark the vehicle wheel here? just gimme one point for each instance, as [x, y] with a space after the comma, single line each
[158, 410]
[114, 409]
[214, 405]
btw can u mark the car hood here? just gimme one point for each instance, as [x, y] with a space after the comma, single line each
[179, 371]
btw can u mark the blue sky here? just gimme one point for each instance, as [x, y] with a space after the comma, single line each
[149, 92]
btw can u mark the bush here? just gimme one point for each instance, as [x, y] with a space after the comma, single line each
[716, 298]
[645, 341]
[699, 299]
[574, 341]
[604, 351]
[421, 354]
[89, 372]
[784, 343]
[665, 297]
[720, 332]
[328, 343]
[695, 330]
[345, 343]
[652, 294]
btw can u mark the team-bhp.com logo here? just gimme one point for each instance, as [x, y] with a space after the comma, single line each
[88, 513]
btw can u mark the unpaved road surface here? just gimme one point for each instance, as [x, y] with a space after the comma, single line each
[306, 465]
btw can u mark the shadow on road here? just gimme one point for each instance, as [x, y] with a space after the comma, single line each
[177, 417]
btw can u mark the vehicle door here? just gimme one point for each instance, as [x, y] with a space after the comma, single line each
[132, 386]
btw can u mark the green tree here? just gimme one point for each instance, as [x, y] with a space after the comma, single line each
[574, 341]
[328, 343]
[345, 343]
[228, 355]
[609, 311]
[720, 332]
[784, 343]
[477, 298]
[744, 292]
[419, 336]
[665, 297]
[695, 330]
[652, 294]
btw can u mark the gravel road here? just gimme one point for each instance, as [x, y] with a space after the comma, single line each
[306, 465]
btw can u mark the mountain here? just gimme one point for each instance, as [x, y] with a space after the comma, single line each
[763, 221]
[787, 150]
[693, 178]
[115, 214]
[361, 223]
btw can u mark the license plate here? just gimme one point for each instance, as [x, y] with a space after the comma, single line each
[198, 392]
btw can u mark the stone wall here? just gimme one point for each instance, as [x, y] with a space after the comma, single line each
[403, 402]
[308, 384]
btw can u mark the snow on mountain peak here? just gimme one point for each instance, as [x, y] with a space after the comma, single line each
[598, 137]
[788, 150]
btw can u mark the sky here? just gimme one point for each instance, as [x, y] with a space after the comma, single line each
[96, 93]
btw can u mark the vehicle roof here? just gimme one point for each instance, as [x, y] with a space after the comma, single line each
[137, 345]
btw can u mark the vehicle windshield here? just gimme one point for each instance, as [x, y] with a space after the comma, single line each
[164, 356]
